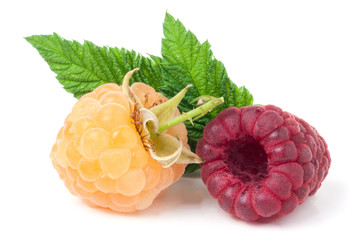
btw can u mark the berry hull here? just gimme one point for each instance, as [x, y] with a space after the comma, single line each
[261, 162]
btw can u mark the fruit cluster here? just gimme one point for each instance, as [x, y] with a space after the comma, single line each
[261, 162]
[100, 154]
[120, 147]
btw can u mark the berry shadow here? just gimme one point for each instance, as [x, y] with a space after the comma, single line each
[324, 206]
[188, 192]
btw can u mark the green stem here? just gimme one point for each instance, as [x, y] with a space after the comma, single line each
[197, 113]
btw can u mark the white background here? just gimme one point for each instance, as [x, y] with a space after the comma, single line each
[303, 56]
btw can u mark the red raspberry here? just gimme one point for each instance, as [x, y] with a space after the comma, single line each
[261, 162]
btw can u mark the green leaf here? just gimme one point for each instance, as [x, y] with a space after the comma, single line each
[80, 68]
[192, 168]
[187, 61]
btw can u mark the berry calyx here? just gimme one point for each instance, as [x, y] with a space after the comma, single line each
[152, 124]
[261, 162]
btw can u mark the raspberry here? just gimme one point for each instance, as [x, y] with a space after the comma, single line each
[100, 155]
[261, 162]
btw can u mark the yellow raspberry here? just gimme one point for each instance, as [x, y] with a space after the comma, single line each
[100, 156]
[121, 147]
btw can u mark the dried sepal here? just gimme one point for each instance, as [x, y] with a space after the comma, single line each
[169, 150]
[163, 147]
